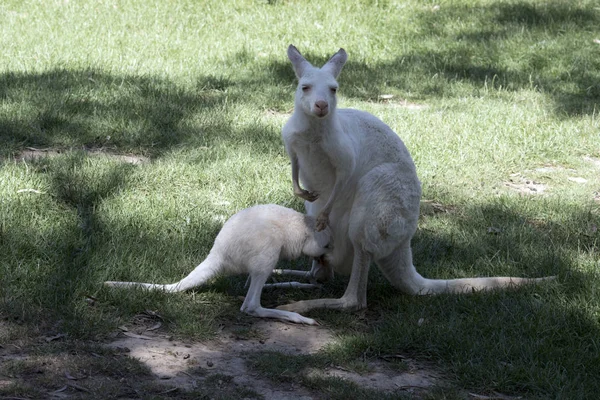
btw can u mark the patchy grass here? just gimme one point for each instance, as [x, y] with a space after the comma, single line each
[495, 100]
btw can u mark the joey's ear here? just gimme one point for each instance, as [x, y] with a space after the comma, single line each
[298, 62]
[336, 63]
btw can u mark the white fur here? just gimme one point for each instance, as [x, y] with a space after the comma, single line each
[358, 174]
[253, 241]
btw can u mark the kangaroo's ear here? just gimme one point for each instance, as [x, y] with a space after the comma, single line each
[336, 63]
[298, 62]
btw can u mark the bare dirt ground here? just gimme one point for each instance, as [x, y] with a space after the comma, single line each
[179, 366]
[142, 360]
[32, 153]
[176, 363]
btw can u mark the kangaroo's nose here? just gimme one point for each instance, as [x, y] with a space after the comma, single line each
[321, 108]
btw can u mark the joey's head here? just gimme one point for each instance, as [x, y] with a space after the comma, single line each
[317, 87]
[318, 243]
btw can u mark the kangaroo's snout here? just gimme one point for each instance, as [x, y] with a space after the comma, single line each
[321, 108]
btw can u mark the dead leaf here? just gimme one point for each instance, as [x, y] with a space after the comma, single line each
[154, 327]
[55, 337]
[154, 314]
[80, 388]
[392, 356]
[494, 396]
[69, 376]
[58, 392]
[136, 336]
[123, 328]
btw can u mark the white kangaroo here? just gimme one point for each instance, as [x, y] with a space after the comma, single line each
[358, 175]
[253, 241]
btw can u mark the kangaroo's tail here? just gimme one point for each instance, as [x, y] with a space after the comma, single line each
[401, 273]
[200, 275]
[468, 285]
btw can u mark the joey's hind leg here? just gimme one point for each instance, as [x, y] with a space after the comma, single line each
[321, 271]
[292, 285]
[253, 307]
[288, 284]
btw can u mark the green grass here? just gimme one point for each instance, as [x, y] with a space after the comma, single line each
[485, 93]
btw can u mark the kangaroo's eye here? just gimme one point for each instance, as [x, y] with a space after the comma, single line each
[305, 88]
[333, 90]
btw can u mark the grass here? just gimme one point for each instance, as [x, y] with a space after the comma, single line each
[485, 93]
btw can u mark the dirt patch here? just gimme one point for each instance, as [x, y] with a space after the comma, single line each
[32, 153]
[592, 160]
[390, 101]
[278, 115]
[188, 365]
[525, 186]
[381, 378]
[431, 207]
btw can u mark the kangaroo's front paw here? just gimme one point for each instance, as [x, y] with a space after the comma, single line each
[306, 195]
[322, 222]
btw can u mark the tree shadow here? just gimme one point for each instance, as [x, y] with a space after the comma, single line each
[538, 324]
[463, 50]
[91, 109]
[507, 47]
[48, 238]
[525, 338]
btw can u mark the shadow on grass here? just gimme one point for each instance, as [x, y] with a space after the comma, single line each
[534, 340]
[62, 109]
[538, 341]
[460, 51]
[455, 51]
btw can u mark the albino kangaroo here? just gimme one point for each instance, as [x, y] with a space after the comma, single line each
[252, 241]
[358, 174]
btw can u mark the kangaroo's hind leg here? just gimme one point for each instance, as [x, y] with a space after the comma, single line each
[355, 296]
[253, 307]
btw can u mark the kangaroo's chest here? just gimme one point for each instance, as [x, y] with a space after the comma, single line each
[316, 170]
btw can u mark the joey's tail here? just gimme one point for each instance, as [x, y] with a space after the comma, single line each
[400, 271]
[201, 274]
